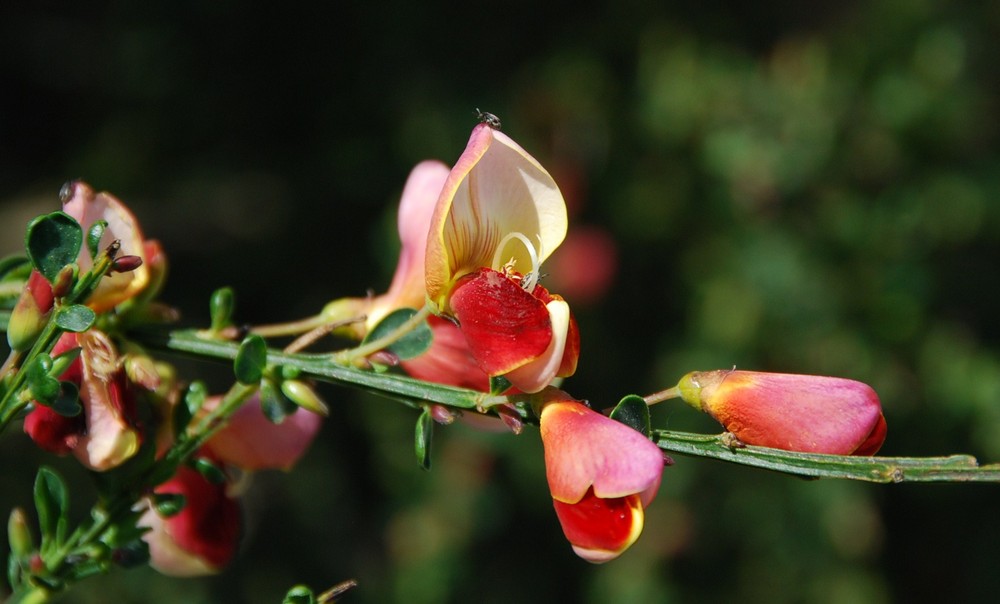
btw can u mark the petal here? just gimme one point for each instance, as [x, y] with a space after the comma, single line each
[505, 326]
[252, 442]
[420, 195]
[108, 407]
[600, 529]
[88, 207]
[585, 449]
[495, 188]
[448, 361]
[202, 537]
[539, 373]
[807, 413]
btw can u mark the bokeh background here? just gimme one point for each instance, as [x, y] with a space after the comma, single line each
[779, 185]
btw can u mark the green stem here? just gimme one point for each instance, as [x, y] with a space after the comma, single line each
[952, 468]
[662, 395]
[322, 367]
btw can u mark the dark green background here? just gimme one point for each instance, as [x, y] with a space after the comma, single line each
[801, 187]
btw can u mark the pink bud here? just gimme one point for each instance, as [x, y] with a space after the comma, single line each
[807, 413]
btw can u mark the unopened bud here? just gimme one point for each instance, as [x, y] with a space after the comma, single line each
[19, 534]
[126, 264]
[384, 357]
[141, 370]
[65, 280]
[304, 396]
[30, 313]
[443, 415]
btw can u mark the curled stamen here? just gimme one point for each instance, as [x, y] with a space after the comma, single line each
[530, 277]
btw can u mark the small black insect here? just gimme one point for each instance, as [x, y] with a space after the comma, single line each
[488, 118]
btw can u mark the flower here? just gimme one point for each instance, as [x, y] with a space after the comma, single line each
[105, 433]
[482, 263]
[202, 537]
[602, 475]
[87, 207]
[448, 361]
[807, 413]
[250, 441]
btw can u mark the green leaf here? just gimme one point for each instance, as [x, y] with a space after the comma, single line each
[251, 360]
[273, 403]
[194, 398]
[633, 411]
[43, 387]
[61, 362]
[411, 345]
[67, 403]
[300, 594]
[209, 470]
[220, 307]
[52, 505]
[76, 318]
[53, 241]
[499, 384]
[422, 439]
[169, 504]
[94, 234]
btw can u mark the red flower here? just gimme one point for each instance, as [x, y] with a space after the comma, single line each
[807, 413]
[200, 539]
[602, 475]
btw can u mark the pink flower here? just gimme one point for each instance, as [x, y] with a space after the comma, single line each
[448, 361]
[252, 442]
[499, 216]
[200, 539]
[807, 413]
[87, 208]
[105, 434]
[602, 475]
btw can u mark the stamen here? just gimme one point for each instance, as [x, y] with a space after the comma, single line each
[530, 277]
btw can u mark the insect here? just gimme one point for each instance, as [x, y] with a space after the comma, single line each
[488, 118]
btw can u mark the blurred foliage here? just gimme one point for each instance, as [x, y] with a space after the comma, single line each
[801, 187]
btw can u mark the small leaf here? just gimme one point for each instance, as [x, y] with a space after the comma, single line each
[251, 360]
[300, 594]
[273, 403]
[53, 241]
[169, 504]
[194, 398]
[499, 384]
[94, 234]
[76, 318]
[411, 345]
[43, 387]
[221, 306]
[209, 470]
[422, 439]
[633, 411]
[61, 362]
[67, 401]
[52, 504]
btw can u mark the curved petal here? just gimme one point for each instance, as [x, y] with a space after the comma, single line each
[601, 529]
[585, 449]
[420, 195]
[495, 188]
[505, 326]
[540, 372]
[252, 442]
[88, 207]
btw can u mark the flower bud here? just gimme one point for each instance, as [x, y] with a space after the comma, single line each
[806, 413]
[18, 533]
[30, 313]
